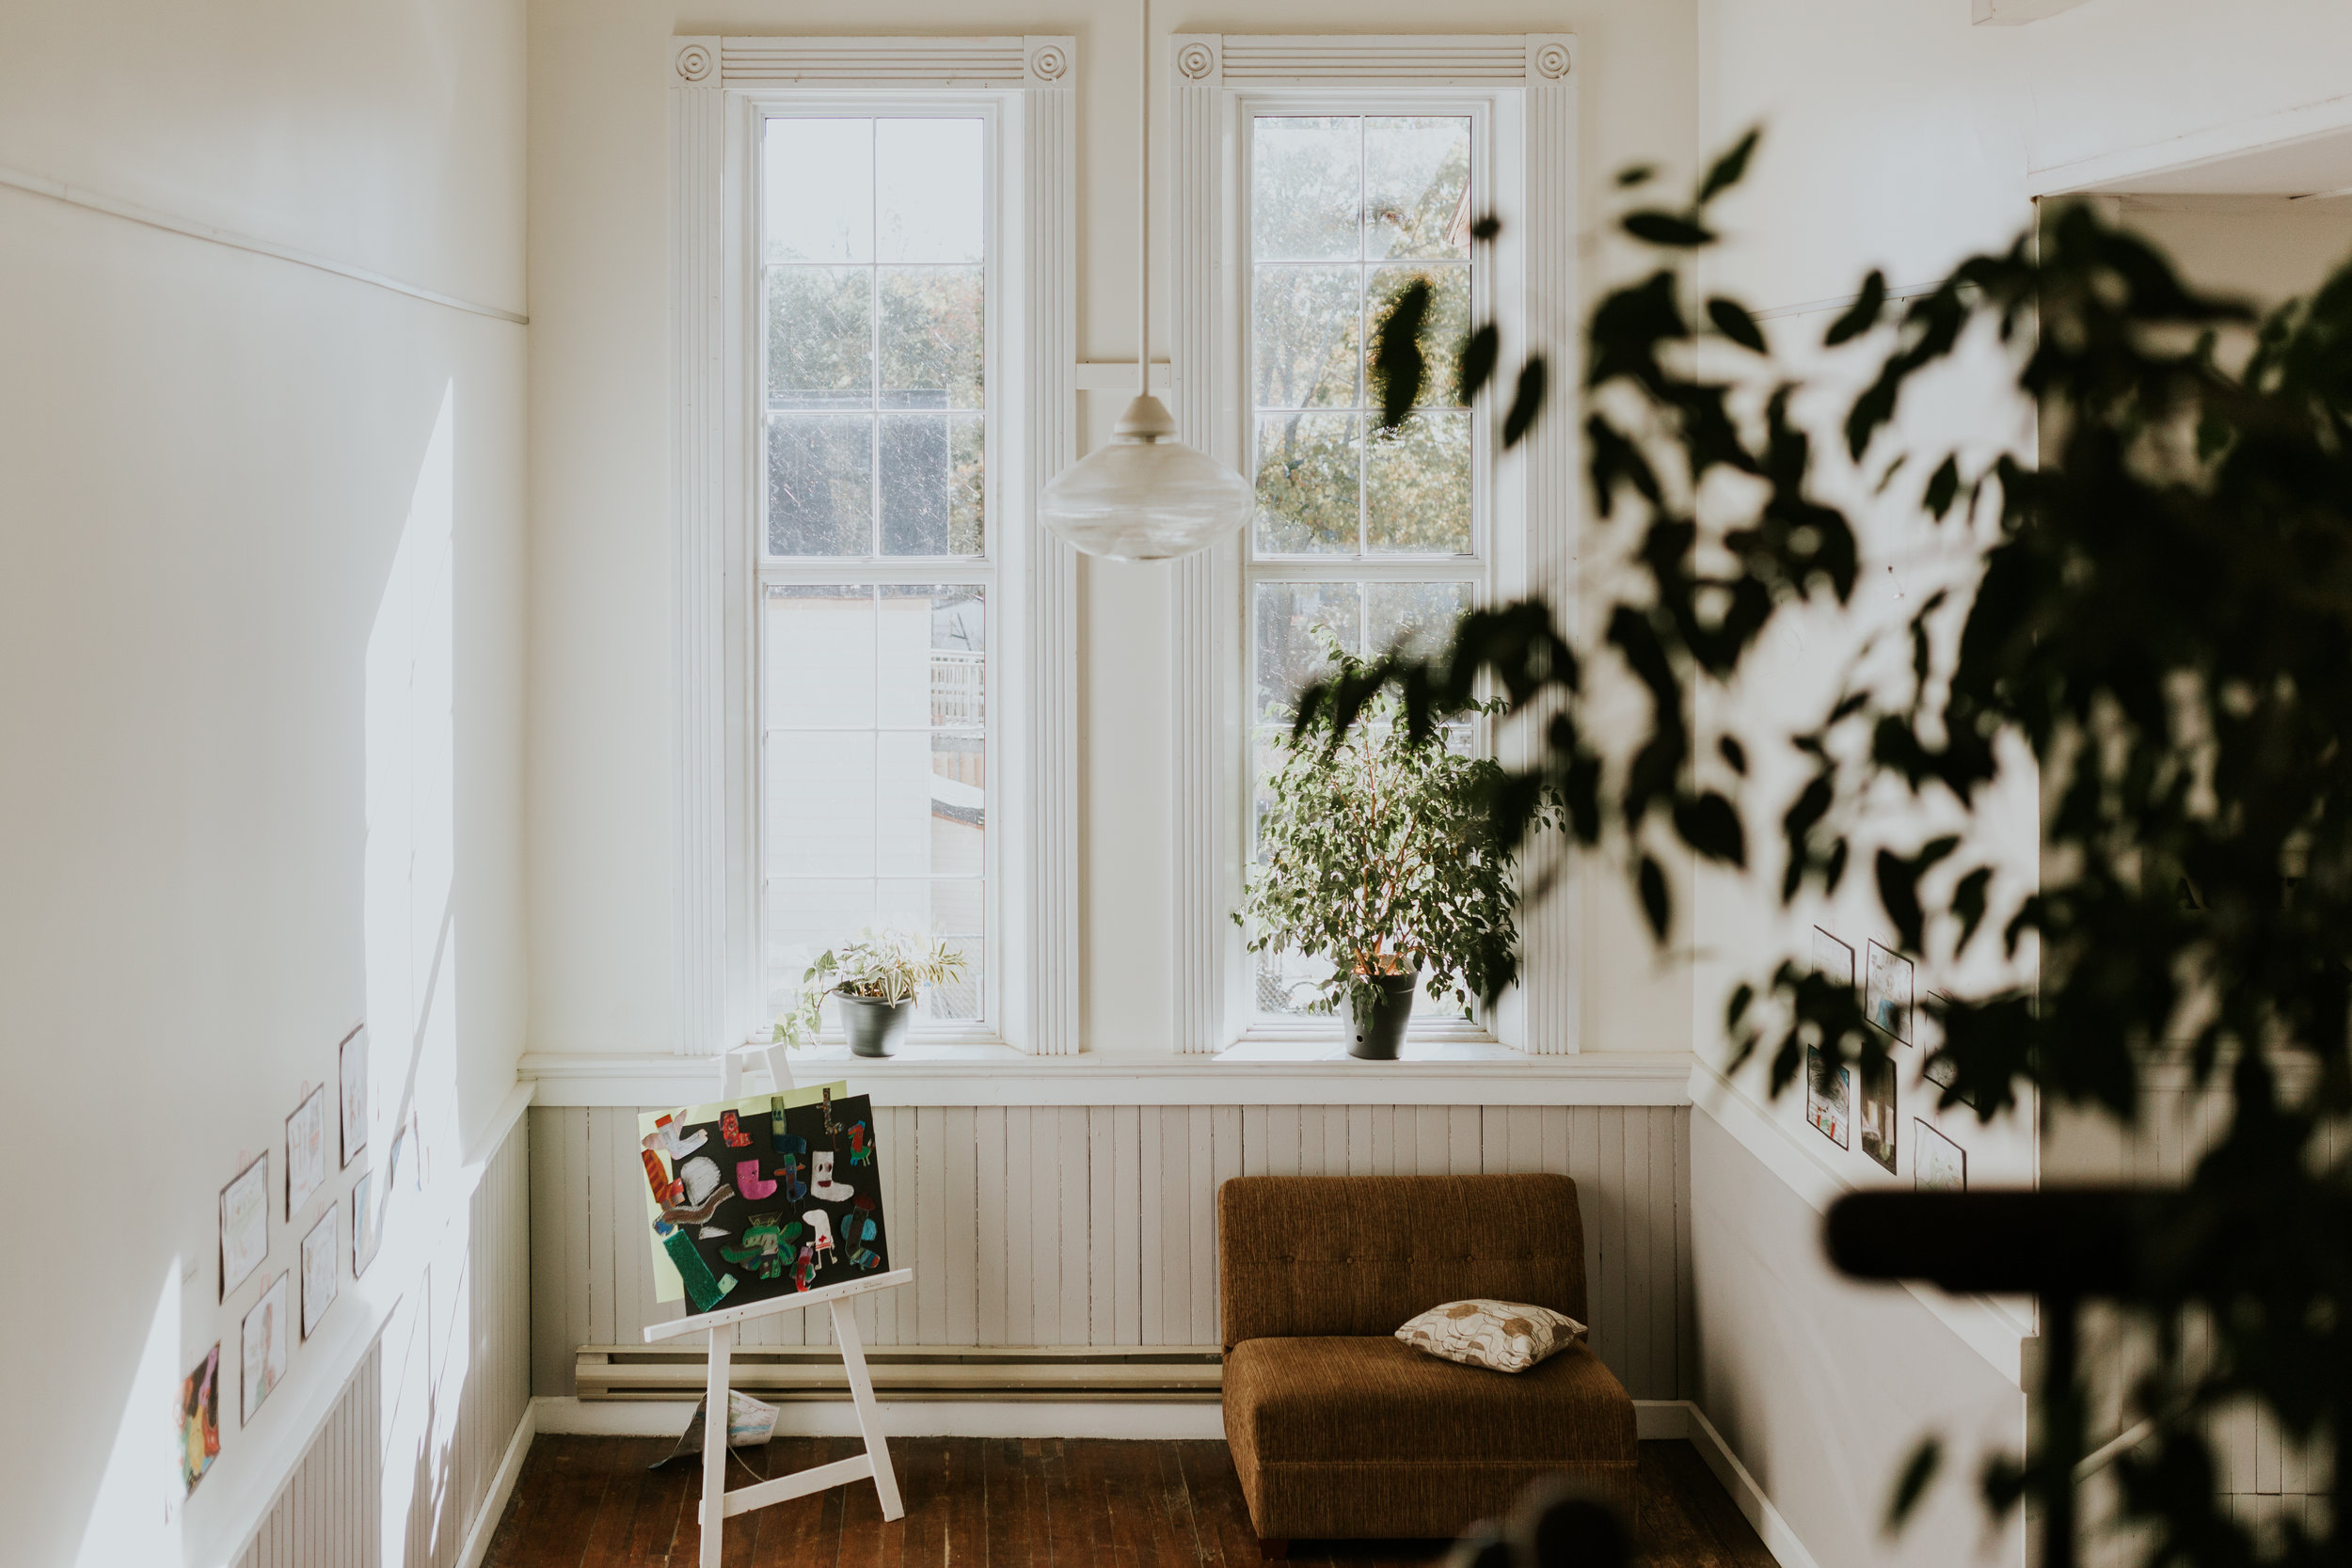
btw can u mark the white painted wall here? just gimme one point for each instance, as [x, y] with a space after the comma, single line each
[261, 675]
[1897, 135]
[603, 873]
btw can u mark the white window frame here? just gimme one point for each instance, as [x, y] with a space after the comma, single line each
[1520, 91]
[723, 91]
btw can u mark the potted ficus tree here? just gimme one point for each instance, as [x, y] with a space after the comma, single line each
[1375, 856]
[875, 977]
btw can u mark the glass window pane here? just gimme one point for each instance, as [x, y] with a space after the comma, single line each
[929, 190]
[1417, 189]
[820, 483]
[821, 190]
[821, 338]
[1448, 322]
[1306, 335]
[819, 651]
[930, 484]
[803, 916]
[821, 820]
[1306, 190]
[1307, 484]
[1289, 984]
[1417, 487]
[932, 339]
[1418, 615]
[1288, 616]
[960, 998]
[902, 803]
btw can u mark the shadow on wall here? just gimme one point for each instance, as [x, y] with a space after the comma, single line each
[415, 1291]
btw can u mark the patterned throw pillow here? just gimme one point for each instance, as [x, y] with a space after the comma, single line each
[1501, 1336]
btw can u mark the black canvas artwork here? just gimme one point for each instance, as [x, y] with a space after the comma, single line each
[765, 1196]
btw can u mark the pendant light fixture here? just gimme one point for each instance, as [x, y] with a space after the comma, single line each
[1145, 495]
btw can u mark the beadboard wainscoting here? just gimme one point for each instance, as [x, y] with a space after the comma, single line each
[2264, 1479]
[1095, 1224]
[416, 1456]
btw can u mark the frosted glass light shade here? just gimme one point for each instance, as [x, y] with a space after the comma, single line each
[1147, 496]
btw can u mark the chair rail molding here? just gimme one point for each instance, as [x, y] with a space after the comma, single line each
[1533, 76]
[714, 488]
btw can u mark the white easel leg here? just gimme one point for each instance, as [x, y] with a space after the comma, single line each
[715, 1413]
[869, 1414]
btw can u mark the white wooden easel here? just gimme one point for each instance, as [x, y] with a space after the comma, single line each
[718, 1502]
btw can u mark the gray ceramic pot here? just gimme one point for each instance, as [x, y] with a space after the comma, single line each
[874, 1027]
[1379, 1036]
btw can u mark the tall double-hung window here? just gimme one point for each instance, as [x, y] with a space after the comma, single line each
[1364, 538]
[878, 556]
[1315, 179]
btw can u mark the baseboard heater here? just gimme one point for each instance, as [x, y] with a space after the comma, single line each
[1164, 1374]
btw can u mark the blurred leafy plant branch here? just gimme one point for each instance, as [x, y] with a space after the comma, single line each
[2155, 610]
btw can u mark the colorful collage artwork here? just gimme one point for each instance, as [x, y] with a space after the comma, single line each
[1828, 1101]
[200, 1418]
[755, 1198]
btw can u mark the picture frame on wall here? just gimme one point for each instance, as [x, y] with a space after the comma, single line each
[321, 1277]
[351, 1068]
[366, 1224]
[200, 1419]
[1937, 1164]
[1877, 1116]
[264, 1340]
[243, 1224]
[1887, 997]
[1832, 958]
[306, 1152]
[1940, 1069]
[1828, 1099]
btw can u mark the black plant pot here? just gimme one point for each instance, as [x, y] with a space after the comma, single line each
[875, 1027]
[1378, 1036]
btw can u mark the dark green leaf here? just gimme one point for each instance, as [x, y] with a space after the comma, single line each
[1968, 905]
[1655, 906]
[1734, 754]
[1636, 174]
[1729, 169]
[1479, 353]
[1709, 824]
[1398, 366]
[1733, 321]
[1918, 1473]
[1942, 486]
[1863, 314]
[1527, 401]
[1675, 230]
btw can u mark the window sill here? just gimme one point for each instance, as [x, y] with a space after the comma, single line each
[1255, 1073]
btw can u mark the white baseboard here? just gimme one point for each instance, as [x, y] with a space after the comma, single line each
[1654, 1420]
[1748, 1497]
[907, 1419]
[485, 1524]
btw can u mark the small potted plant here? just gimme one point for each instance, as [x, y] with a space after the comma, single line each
[1373, 856]
[875, 977]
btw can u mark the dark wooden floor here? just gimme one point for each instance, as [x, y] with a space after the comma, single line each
[585, 1501]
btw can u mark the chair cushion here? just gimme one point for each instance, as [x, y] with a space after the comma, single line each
[1499, 1335]
[1377, 1398]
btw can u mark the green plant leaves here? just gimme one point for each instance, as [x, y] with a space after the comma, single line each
[1677, 231]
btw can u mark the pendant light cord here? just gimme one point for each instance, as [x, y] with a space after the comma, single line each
[1144, 204]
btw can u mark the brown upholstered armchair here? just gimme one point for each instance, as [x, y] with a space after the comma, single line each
[1337, 1428]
